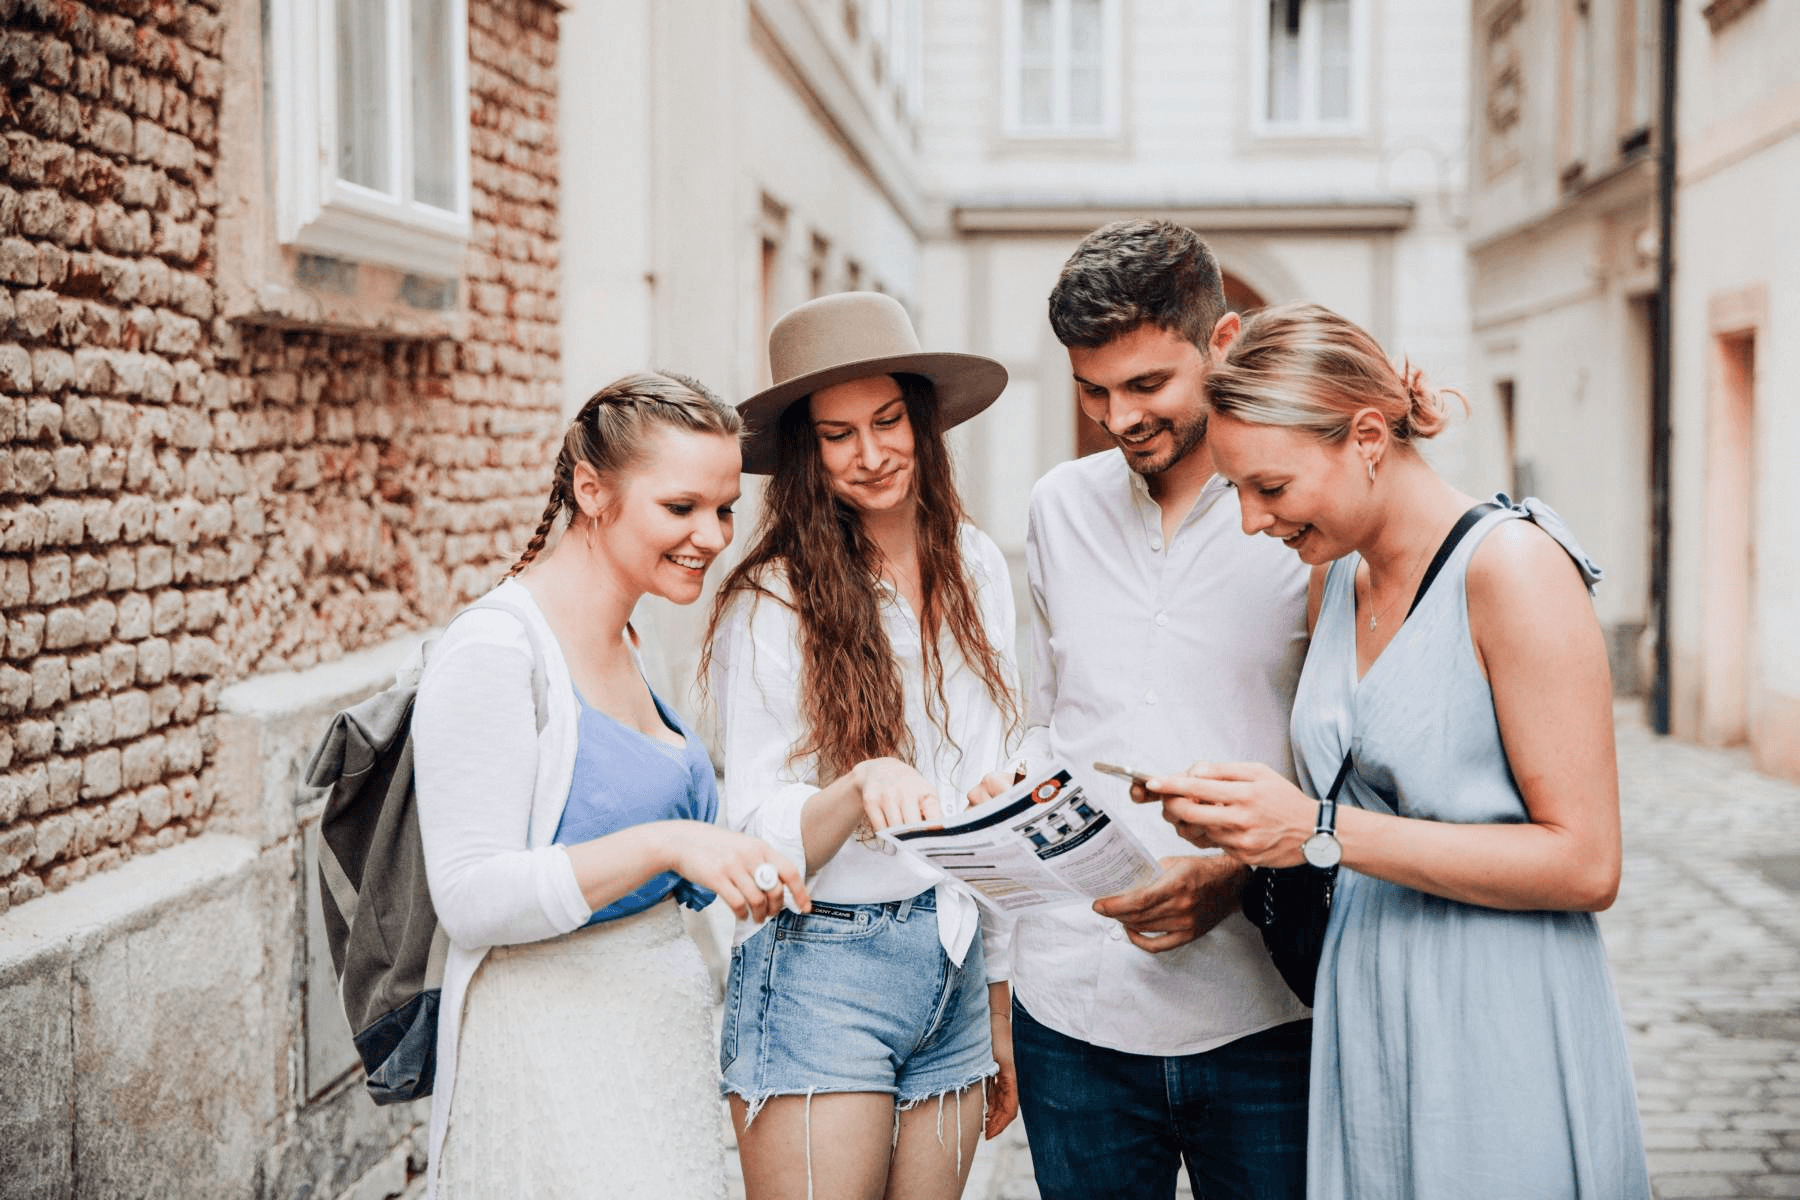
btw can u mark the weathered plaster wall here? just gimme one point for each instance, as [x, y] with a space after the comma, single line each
[231, 477]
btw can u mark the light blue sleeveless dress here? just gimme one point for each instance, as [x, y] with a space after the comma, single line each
[1458, 1051]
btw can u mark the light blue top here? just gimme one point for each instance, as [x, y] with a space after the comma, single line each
[624, 777]
[1458, 1051]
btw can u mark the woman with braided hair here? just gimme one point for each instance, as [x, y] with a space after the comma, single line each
[565, 809]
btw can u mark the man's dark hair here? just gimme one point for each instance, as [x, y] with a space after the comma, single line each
[1134, 272]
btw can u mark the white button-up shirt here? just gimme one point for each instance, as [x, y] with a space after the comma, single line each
[1154, 658]
[756, 682]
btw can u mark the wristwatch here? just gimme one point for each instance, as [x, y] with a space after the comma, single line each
[1323, 849]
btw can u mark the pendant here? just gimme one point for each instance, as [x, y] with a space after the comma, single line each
[1372, 622]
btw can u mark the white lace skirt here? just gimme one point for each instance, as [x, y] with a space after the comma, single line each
[587, 1068]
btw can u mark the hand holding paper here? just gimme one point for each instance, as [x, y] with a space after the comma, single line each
[1043, 842]
[1193, 894]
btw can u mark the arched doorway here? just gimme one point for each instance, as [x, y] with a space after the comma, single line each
[1240, 297]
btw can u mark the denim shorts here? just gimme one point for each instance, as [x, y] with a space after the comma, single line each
[854, 998]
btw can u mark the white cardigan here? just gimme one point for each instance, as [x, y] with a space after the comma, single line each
[491, 791]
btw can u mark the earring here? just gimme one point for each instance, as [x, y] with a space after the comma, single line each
[587, 527]
[1371, 470]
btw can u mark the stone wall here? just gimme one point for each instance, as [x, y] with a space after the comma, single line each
[187, 500]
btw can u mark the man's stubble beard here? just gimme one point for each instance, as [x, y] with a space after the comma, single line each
[1188, 436]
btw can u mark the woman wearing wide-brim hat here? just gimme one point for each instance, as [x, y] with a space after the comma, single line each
[860, 657]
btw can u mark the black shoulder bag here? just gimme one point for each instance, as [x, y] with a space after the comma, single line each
[1291, 905]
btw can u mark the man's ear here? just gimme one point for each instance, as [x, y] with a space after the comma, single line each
[1224, 332]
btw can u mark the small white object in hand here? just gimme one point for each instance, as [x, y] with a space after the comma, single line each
[766, 876]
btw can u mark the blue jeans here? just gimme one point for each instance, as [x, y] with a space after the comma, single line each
[1103, 1123]
[854, 998]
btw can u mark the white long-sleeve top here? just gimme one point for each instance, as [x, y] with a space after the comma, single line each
[756, 683]
[491, 790]
[1153, 652]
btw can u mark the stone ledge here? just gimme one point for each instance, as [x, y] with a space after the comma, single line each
[267, 727]
[326, 687]
[158, 1057]
[131, 896]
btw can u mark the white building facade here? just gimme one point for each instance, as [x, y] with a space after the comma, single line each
[1564, 242]
[1317, 145]
[724, 162]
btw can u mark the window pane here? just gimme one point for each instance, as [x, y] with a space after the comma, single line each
[1284, 64]
[1037, 28]
[363, 118]
[1648, 66]
[1086, 104]
[1334, 60]
[1036, 106]
[433, 106]
[1084, 29]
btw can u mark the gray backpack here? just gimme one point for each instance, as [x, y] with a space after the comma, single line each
[386, 946]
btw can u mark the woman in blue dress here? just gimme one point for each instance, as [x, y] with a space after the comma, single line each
[1467, 1040]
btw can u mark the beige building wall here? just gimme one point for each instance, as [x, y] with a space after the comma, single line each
[1563, 243]
[1736, 559]
[1562, 252]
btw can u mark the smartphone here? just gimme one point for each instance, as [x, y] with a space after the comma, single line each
[1131, 773]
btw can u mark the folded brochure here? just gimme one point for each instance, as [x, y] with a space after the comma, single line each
[1043, 842]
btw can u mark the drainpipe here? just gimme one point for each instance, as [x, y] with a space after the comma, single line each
[1661, 431]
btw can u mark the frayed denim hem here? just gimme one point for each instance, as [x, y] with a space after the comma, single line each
[753, 1105]
[978, 1080]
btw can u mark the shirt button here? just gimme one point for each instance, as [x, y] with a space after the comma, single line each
[1162, 619]
[1150, 697]
[1116, 933]
[1156, 543]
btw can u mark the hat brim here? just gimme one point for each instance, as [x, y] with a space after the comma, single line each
[965, 385]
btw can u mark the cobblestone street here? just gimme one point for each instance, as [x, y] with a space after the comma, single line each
[1705, 946]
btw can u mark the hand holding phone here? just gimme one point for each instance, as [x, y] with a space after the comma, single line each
[1131, 773]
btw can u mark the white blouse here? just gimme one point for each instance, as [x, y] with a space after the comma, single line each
[756, 683]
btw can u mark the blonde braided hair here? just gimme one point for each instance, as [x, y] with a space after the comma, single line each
[610, 432]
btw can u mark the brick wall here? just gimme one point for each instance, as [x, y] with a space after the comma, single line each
[186, 500]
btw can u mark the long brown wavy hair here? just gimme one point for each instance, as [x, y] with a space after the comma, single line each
[851, 696]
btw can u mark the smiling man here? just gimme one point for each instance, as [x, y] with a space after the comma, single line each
[1153, 1029]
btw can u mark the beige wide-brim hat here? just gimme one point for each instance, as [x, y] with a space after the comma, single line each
[847, 336]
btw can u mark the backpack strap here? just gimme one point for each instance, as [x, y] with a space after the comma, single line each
[539, 686]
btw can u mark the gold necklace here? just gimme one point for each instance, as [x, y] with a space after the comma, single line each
[1375, 617]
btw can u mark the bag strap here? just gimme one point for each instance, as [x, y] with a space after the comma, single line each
[1452, 539]
[539, 686]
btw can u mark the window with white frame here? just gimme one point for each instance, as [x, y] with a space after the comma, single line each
[372, 129]
[1062, 68]
[905, 66]
[1310, 66]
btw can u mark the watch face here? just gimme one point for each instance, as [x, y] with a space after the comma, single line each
[1322, 850]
